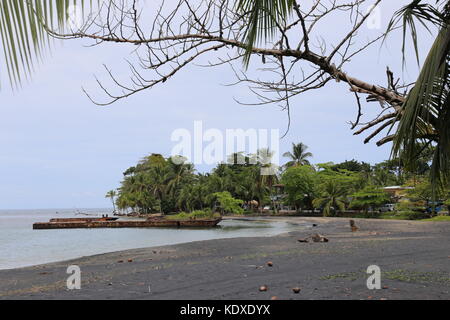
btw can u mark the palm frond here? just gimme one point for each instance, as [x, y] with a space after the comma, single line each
[408, 15]
[426, 113]
[264, 17]
[23, 35]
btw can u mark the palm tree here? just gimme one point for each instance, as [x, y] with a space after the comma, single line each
[184, 199]
[193, 196]
[112, 194]
[180, 171]
[426, 111]
[333, 198]
[298, 156]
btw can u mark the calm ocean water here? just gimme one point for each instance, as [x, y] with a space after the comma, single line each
[22, 246]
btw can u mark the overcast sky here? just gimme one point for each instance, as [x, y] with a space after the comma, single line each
[58, 150]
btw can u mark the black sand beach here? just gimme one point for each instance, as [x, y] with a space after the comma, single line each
[414, 258]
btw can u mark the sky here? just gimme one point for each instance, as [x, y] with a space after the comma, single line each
[59, 150]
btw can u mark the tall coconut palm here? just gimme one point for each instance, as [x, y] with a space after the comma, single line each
[112, 195]
[332, 198]
[299, 156]
[180, 171]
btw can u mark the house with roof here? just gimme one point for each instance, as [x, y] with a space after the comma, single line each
[397, 193]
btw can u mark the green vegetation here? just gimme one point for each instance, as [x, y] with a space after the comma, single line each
[368, 197]
[23, 32]
[228, 203]
[447, 203]
[425, 109]
[332, 198]
[298, 156]
[396, 275]
[417, 277]
[157, 184]
[421, 140]
[346, 275]
[197, 214]
[112, 195]
[439, 218]
[403, 215]
[351, 188]
[300, 185]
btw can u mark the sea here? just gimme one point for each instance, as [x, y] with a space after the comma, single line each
[21, 246]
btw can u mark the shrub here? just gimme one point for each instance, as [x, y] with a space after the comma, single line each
[439, 218]
[410, 206]
[447, 203]
[228, 204]
[405, 215]
[198, 214]
[368, 197]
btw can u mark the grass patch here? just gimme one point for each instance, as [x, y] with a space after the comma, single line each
[398, 275]
[413, 276]
[439, 218]
[404, 215]
[194, 215]
[398, 215]
[393, 215]
[346, 275]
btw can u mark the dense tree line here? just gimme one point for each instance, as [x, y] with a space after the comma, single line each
[157, 184]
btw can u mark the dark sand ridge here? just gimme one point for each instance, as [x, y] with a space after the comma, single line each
[414, 258]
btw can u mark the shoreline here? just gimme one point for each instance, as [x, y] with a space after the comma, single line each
[143, 246]
[413, 256]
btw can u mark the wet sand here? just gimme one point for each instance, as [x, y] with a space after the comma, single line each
[414, 258]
